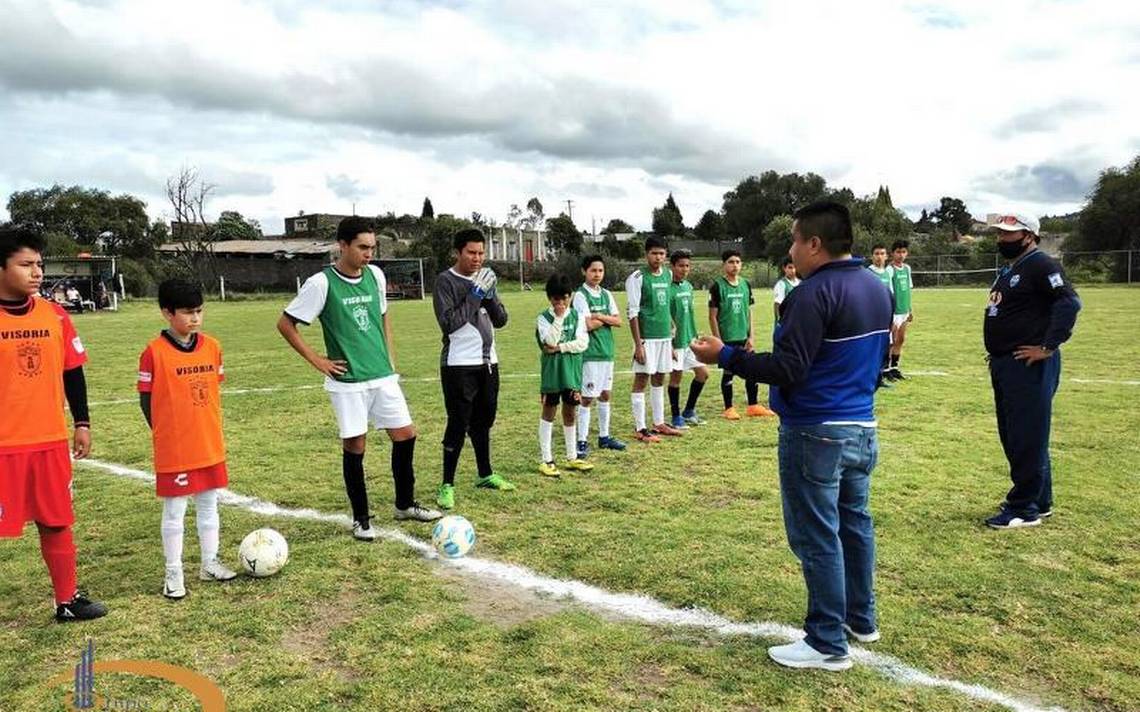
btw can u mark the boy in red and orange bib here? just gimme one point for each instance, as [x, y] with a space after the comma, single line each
[41, 363]
[180, 373]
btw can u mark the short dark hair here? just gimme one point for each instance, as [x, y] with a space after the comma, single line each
[830, 222]
[559, 285]
[349, 228]
[730, 253]
[655, 242]
[680, 254]
[786, 261]
[591, 259]
[468, 234]
[174, 294]
[900, 245]
[878, 246]
[14, 238]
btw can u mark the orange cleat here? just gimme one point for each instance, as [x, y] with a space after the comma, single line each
[759, 411]
[646, 436]
[731, 414]
[666, 429]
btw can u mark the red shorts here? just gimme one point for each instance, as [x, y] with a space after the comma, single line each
[35, 487]
[180, 484]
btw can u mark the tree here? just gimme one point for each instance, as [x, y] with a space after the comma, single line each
[428, 212]
[1111, 219]
[562, 235]
[88, 216]
[434, 243]
[188, 193]
[952, 213]
[534, 215]
[750, 206]
[878, 217]
[710, 227]
[617, 226]
[924, 224]
[667, 220]
[778, 237]
[232, 226]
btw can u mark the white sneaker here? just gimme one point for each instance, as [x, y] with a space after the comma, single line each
[871, 637]
[216, 571]
[363, 532]
[801, 655]
[417, 512]
[174, 587]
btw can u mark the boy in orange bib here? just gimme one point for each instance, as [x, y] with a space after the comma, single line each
[180, 373]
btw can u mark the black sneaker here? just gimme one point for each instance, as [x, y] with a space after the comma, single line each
[896, 374]
[1008, 519]
[79, 608]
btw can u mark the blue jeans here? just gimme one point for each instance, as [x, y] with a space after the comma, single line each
[825, 477]
[1023, 399]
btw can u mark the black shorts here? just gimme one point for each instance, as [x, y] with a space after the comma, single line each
[567, 396]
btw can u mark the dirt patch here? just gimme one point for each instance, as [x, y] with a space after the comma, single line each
[311, 642]
[500, 603]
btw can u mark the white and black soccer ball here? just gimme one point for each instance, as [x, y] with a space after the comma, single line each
[453, 536]
[263, 552]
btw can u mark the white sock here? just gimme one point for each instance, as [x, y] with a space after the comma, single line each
[545, 434]
[173, 510]
[603, 419]
[638, 400]
[657, 403]
[209, 524]
[569, 433]
[583, 423]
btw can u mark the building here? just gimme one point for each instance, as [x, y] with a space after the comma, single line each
[312, 224]
[516, 245]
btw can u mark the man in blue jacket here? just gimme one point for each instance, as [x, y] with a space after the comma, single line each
[824, 368]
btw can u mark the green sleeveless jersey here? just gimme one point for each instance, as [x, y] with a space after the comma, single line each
[733, 315]
[681, 308]
[789, 285]
[354, 328]
[560, 371]
[883, 274]
[601, 339]
[654, 318]
[900, 277]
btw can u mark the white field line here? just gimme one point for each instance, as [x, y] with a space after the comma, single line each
[635, 607]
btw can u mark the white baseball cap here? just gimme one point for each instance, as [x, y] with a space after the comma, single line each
[1015, 222]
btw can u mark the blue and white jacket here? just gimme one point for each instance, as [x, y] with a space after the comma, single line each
[828, 348]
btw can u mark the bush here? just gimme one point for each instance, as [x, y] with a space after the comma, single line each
[137, 278]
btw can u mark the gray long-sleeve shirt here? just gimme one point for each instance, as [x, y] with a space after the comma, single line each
[468, 323]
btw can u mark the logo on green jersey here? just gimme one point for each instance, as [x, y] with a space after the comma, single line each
[360, 314]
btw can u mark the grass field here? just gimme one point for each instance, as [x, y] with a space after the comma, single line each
[1046, 615]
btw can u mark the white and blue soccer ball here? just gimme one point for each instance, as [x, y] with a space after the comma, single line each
[263, 552]
[453, 536]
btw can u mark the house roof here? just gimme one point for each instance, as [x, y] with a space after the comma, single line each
[263, 247]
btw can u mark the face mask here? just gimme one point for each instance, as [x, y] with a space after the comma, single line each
[1009, 250]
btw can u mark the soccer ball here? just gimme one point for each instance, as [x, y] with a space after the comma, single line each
[263, 552]
[453, 536]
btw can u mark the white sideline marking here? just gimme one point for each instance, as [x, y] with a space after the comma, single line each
[1105, 380]
[627, 605]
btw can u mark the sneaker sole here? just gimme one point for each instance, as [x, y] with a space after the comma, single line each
[207, 577]
[862, 637]
[836, 666]
[1019, 525]
[414, 518]
[168, 596]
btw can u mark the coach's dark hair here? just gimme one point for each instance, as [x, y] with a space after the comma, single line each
[830, 222]
[559, 285]
[467, 234]
[350, 227]
[681, 254]
[14, 238]
[654, 242]
[878, 246]
[786, 261]
[174, 294]
[591, 259]
[900, 244]
[730, 253]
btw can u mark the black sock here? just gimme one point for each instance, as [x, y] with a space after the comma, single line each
[726, 389]
[752, 388]
[481, 444]
[695, 389]
[450, 462]
[895, 360]
[403, 472]
[353, 467]
[675, 400]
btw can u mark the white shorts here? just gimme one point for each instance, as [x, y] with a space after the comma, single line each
[686, 360]
[383, 404]
[658, 357]
[597, 376]
[899, 319]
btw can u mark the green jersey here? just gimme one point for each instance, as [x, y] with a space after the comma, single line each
[902, 284]
[353, 326]
[653, 315]
[601, 346]
[732, 303]
[783, 288]
[560, 371]
[883, 274]
[681, 309]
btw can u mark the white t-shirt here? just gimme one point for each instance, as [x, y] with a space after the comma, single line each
[780, 291]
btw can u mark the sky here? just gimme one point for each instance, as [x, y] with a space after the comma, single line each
[289, 106]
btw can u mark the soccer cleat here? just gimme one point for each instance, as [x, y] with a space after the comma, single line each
[645, 436]
[493, 481]
[79, 608]
[871, 637]
[363, 531]
[215, 571]
[801, 655]
[609, 443]
[691, 418]
[548, 469]
[579, 464]
[679, 423]
[445, 497]
[416, 512]
[583, 448]
[731, 414]
[173, 584]
[666, 429]
[1006, 519]
[896, 374]
[758, 411]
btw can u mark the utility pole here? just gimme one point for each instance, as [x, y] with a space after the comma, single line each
[570, 209]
